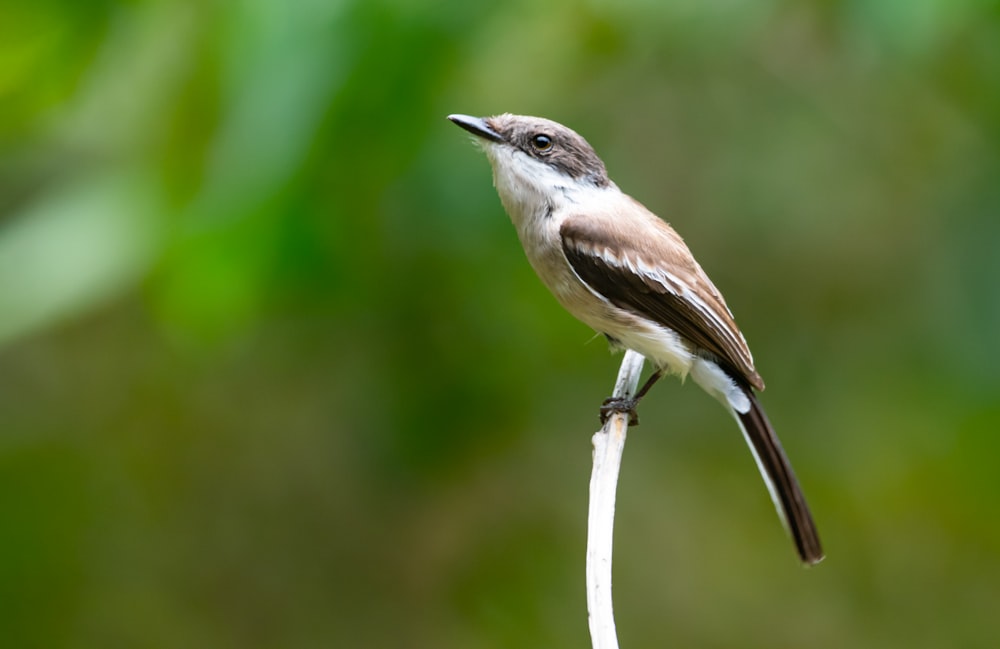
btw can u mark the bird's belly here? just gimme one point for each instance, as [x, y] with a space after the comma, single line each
[661, 346]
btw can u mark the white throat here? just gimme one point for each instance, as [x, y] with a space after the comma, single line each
[530, 189]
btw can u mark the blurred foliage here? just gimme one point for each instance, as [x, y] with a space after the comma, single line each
[274, 372]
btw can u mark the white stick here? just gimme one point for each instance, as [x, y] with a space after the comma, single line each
[609, 443]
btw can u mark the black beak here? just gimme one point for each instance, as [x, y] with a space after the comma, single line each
[476, 126]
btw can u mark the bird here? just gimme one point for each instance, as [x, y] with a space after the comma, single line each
[627, 274]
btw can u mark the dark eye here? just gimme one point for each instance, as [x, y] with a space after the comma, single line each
[541, 142]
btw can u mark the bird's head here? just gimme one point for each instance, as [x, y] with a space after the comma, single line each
[535, 156]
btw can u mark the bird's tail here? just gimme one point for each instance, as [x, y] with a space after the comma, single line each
[780, 479]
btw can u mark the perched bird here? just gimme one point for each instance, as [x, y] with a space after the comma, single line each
[624, 272]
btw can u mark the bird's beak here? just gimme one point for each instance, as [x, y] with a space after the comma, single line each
[476, 126]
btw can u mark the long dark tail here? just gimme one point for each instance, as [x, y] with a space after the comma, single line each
[780, 479]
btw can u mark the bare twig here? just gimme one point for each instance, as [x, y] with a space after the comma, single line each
[609, 443]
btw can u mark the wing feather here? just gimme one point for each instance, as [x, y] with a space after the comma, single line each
[658, 278]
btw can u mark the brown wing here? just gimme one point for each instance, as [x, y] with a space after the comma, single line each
[658, 279]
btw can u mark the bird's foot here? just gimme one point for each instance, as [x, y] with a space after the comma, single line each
[626, 405]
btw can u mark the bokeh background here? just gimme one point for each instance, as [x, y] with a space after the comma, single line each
[274, 372]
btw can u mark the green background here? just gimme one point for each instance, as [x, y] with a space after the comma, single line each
[274, 371]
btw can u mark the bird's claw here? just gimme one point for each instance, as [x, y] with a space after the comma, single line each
[625, 405]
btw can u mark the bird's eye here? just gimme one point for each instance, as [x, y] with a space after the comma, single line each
[541, 142]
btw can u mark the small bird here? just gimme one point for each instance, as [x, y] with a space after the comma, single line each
[623, 271]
